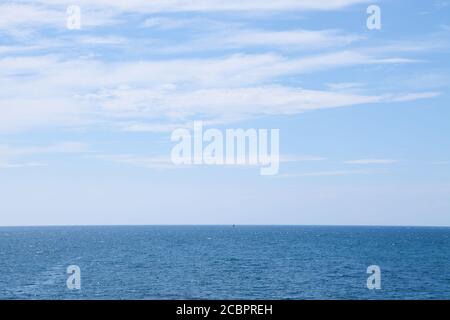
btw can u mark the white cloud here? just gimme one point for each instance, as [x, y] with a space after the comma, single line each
[105, 40]
[149, 162]
[228, 37]
[305, 39]
[226, 102]
[371, 161]
[24, 17]
[345, 86]
[323, 174]
[152, 127]
[64, 92]
[300, 158]
[14, 15]
[9, 165]
[415, 96]
[160, 127]
[63, 147]
[164, 23]
[161, 162]
[22, 114]
[12, 157]
[155, 6]
[32, 13]
[17, 49]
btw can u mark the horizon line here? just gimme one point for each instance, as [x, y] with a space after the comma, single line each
[223, 225]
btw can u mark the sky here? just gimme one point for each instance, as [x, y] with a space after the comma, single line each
[86, 115]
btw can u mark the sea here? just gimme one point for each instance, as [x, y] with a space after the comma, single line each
[224, 262]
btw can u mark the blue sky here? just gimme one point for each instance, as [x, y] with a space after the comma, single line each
[86, 115]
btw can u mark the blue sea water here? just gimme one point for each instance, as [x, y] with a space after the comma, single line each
[222, 262]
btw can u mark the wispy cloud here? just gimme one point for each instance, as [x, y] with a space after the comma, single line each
[371, 161]
[165, 23]
[66, 91]
[299, 39]
[324, 173]
[15, 15]
[9, 165]
[104, 40]
[64, 147]
[18, 157]
[148, 162]
[42, 13]
[207, 5]
[163, 162]
[345, 86]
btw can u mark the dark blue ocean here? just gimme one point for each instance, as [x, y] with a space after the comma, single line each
[222, 262]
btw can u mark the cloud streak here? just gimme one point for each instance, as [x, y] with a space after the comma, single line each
[371, 161]
[331, 173]
[66, 92]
